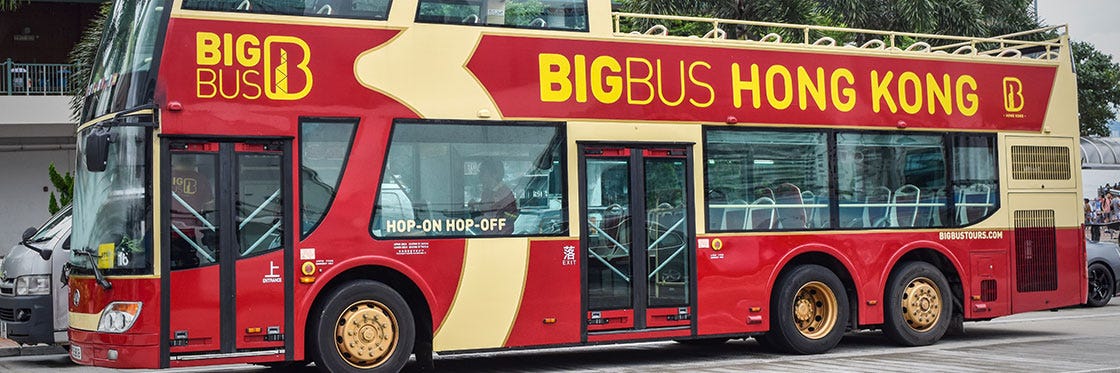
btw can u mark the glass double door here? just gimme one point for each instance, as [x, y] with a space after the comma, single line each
[226, 229]
[637, 238]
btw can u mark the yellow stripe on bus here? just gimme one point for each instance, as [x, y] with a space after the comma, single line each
[84, 321]
[489, 295]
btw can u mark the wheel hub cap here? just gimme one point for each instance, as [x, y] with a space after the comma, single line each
[921, 304]
[815, 310]
[366, 335]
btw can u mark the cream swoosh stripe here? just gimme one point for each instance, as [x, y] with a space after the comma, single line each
[423, 68]
[489, 295]
[84, 321]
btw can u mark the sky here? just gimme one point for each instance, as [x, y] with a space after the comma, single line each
[1094, 21]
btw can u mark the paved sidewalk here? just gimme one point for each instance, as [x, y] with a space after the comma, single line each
[9, 347]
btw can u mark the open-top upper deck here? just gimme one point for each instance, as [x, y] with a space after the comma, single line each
[578, 60]
[1038, 44]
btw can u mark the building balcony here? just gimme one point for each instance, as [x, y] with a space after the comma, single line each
[34, 79]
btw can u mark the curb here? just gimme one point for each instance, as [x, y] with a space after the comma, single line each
[9, 348]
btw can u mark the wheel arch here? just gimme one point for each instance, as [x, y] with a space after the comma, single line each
[829, 258]
[394, 274]
[937, 255]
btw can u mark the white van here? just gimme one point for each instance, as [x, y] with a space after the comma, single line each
[33, 304]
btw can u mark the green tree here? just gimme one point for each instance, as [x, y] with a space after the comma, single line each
[82, 57]
[64, 185]
[9, 4]
[1098, 88]
[949, 17]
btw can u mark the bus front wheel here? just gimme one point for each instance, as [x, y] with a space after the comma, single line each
[809, 311]
[363, 326]
[918, 305]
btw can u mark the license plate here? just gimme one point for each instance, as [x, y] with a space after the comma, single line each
[75, 352]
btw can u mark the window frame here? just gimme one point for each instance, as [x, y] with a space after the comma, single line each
[561, 137]
[948, 146]
[997, 184]
[355, 122]
[830, 148]
[388, 10]
[587, 26]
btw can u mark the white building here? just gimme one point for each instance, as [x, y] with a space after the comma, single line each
[35, 125]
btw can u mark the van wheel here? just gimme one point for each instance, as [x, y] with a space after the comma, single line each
[809, 311]
[918, 305]
[363, 326]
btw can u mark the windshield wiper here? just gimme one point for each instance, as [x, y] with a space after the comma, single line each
[92, 258]
[27, 244]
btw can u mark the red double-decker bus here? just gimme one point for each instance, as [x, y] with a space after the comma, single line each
[354, 182]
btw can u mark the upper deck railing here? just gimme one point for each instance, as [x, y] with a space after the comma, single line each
[34, 79]
[1039, 44]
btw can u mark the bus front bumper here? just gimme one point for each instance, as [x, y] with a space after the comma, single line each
[128, 350]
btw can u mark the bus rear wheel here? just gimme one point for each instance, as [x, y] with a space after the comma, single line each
[809, 311]
[363, 326]
[918, 305]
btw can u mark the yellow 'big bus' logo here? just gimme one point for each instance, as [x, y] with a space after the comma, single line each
[1012, 94]
[241, 66]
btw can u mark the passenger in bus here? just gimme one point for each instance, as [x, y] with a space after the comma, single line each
[496, 199]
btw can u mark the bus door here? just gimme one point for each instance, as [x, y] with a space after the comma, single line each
[636, 237]
[227, 233]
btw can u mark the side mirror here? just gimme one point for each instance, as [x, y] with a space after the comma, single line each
[45, 254]
[27, 234]
[97, 150]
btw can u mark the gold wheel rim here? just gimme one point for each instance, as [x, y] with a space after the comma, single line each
[366, 334]
[815, 310]
[921, 304]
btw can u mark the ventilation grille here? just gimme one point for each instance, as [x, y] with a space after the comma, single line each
[988, 290]
[1036, 266]
[1040, 163]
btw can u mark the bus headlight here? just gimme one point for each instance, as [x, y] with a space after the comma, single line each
[118, 317]
[33, 285]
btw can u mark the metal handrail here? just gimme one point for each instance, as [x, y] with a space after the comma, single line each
[891, 39]
[35, 79]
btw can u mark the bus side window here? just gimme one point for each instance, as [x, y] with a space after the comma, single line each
[536, 14]
[361, 9]
[324, 147]
[975, 178]
[471, 180]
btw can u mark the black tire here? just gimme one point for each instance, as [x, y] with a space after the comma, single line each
[928, 308]
[1101, 285]
[368, 309]
[808, 312]
[765, 343]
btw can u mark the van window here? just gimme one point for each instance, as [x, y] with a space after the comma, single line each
[53, 227]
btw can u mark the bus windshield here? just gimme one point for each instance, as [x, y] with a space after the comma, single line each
[123, 69]
[111, 207]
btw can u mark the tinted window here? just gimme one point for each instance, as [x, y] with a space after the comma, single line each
[324, 148]
[260, 204]
[891, 180]
[364, 9]
[756, 182]
[537, 14]
[461, 180]
[975, 178]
